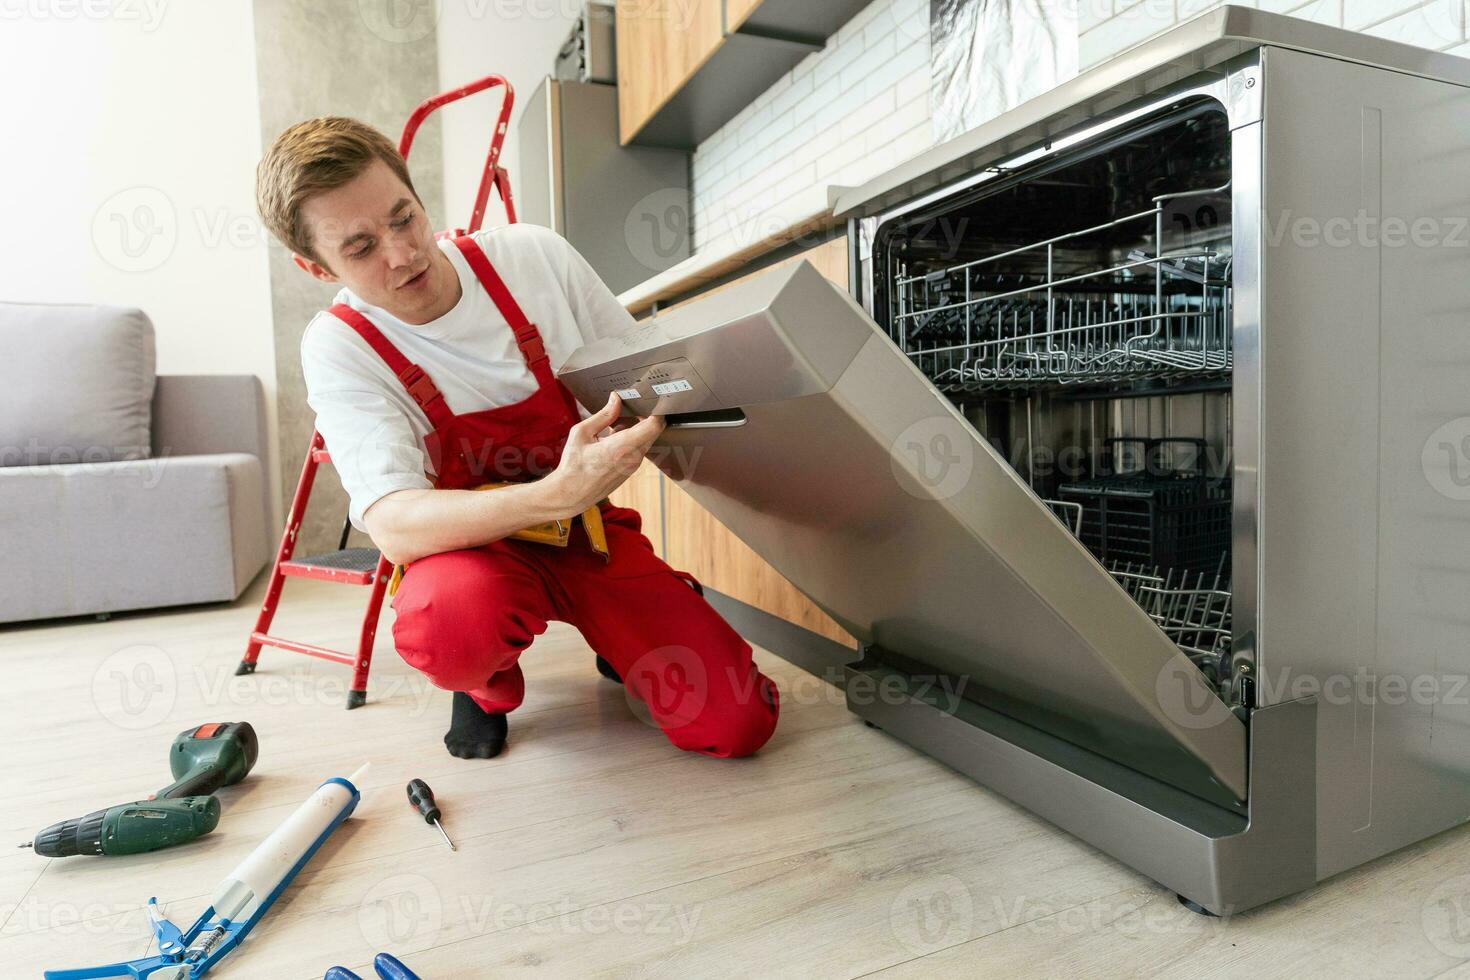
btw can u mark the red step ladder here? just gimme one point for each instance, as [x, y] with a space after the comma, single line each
[367, 566]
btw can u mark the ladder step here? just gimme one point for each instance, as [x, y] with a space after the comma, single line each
[353, 565]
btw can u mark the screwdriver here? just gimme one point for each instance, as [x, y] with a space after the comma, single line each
[422, 799]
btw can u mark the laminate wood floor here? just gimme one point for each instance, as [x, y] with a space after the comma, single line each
[593, 848]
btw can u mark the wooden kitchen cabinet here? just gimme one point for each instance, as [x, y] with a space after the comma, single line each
[702, 546]
[644, 493]
[687, 67]
[738, 11]
[661, 44]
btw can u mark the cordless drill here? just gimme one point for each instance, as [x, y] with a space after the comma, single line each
[202, 760]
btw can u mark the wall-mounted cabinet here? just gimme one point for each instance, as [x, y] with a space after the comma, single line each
[737, 12]
[661, 44]
[687, 67]
[810, 19]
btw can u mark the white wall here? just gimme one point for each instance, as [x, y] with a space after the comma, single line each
[515, 38]
[843, 115]
[131, 136]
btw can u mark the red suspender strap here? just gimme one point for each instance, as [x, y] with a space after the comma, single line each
[420, 387]
[528, 339]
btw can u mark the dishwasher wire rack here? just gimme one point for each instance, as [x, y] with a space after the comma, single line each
[1192, 608]
[1098, 325]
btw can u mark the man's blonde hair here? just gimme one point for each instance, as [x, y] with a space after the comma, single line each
[311, 157]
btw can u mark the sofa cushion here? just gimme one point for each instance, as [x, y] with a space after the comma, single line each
[104, 537]
[78, 384]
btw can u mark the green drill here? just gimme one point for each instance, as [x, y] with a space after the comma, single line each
[202, 760]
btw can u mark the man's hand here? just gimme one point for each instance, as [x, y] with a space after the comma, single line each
[597, 461]
[407, 525]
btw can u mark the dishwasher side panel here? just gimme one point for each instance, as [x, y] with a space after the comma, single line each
[1364, 499]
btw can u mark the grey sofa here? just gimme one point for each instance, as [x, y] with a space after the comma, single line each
[120, 489]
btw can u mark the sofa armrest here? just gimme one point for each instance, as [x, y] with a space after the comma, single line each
[196, 414]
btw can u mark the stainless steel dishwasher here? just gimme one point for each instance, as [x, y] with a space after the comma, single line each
[1132, 462]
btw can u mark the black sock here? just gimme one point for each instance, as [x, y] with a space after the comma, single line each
[474, 733]
[606, 670]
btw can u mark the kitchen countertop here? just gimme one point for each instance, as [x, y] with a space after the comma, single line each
[806, 213]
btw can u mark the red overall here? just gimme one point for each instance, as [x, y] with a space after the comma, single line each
[464, 617]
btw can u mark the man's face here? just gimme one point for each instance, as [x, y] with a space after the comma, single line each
[373, 237]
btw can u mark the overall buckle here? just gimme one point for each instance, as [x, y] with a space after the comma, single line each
[530, 343]
[421, 387]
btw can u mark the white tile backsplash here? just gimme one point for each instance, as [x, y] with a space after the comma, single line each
[1438, 24]
[1358, 14]
[858, 106]
[1321, 11]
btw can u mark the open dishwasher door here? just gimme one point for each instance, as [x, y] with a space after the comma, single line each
[800, 426]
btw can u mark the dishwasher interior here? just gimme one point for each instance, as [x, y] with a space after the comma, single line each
[1078, 313]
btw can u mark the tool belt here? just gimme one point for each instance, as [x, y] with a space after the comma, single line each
[556, 533]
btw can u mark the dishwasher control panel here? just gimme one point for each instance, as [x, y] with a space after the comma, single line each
[664, 388]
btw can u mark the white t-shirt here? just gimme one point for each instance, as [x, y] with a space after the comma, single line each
[374, 430]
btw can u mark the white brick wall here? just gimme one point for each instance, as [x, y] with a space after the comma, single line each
[845, 114]
[1109, 26]
[861, 105]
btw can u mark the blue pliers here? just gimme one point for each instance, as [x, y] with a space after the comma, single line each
[388, 967]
